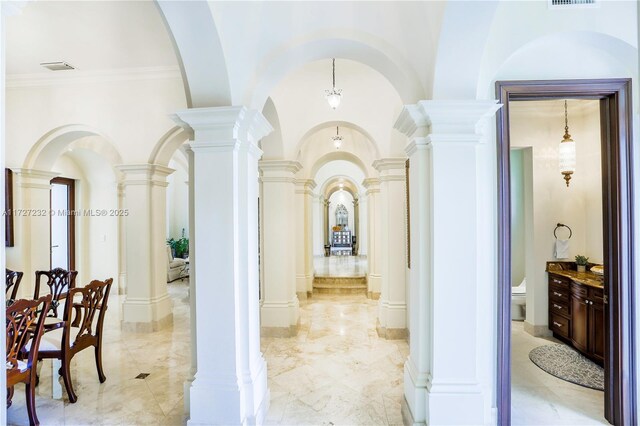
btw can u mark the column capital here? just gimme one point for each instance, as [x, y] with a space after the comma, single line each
[32, 178]
[287, 166]
[144, 174]
[387, 164]
[453, 117]
[305, 186]
[219, 127]
[372, 185]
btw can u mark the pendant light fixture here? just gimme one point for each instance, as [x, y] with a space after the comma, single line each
[334, 96]
[337, 139]
[567, 151]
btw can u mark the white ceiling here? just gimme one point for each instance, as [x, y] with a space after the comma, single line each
[90, 35]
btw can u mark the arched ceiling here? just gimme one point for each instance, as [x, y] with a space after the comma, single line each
[369, 102]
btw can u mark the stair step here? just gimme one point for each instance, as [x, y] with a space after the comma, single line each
[340, 285]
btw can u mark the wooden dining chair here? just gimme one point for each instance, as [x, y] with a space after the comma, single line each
[13, 282]
[59, 281]
[25, 323]
[81, 328]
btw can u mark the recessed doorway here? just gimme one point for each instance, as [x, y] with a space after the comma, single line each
[614, 98]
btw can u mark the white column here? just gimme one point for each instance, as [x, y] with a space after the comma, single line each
[147, 306]
[122, 245]
[279, 314]
[32, 225]
[374, 231]
[449, 339]
[304, 237]
[392, 313]
[230, 385]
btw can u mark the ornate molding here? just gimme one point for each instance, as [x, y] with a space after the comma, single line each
[223, 124]
[144, 174]
[386, 164]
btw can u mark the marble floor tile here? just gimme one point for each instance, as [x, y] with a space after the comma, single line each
[538, 398]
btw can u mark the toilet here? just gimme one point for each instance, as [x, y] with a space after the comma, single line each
[519, 301]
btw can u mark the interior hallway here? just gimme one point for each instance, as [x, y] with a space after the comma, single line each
[336, 370]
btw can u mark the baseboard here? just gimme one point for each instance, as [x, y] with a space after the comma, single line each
[147, 327]
[537, 330]
[391, 333]
[373, 295]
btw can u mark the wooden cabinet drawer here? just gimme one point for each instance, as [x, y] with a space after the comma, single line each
[560, 325]
[560, 308]
[560, 282]
[559, 293]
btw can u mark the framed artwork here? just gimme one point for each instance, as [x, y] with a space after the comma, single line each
[406, 174]
[8, 208]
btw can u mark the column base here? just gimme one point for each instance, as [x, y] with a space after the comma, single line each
[374, 283]
[146, 316]
[290, 331]
[537, 330]
[391, 333]
[229, 400]
[122, 283]
[415, 394]
[444, 400]
[280, 319]
[407, 416]
[392, 320]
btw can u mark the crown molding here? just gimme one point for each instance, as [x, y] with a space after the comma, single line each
[79, 77]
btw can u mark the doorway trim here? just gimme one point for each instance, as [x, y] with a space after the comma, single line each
[617, 196]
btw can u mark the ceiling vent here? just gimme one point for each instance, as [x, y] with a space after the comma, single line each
[562, 4]
[57, 66]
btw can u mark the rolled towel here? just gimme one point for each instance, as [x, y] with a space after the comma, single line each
[562, 249]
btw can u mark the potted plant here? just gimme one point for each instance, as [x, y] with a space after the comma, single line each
[581, 263]
[179, 247]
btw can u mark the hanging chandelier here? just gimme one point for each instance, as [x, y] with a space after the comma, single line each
[337, 139]
[334, 96]
[567, 151]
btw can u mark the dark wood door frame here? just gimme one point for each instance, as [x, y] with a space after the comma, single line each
[617, 198]
[71, 219]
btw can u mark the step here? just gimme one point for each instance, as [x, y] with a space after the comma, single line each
[340, 285]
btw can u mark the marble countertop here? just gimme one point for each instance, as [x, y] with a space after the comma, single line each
[586, 278]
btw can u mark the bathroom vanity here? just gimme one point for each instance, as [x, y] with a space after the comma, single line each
[576, 308]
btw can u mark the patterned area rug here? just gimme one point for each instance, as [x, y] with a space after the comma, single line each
[567, 364]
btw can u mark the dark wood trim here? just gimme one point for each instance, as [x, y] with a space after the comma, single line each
[8, 208]
[408, 207]
[617, 186]
[71, 218]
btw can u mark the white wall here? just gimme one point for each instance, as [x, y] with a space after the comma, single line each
[540, 125]
[518, 255]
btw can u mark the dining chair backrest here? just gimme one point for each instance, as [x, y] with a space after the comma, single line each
[25, 321]
[85, 309]
[25, 324]
[59, 281]
[13, 282]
